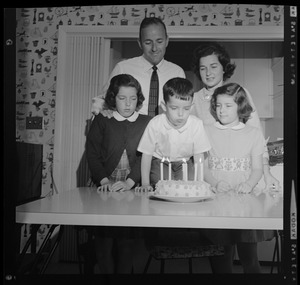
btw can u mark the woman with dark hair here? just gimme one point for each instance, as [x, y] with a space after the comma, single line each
[213, 66]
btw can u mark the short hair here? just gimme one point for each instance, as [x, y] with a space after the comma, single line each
[181, 87]
[240, 98]
[209, 49]
[151, 21]
[118, 81]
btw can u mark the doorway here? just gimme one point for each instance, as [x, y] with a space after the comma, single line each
[112, 42]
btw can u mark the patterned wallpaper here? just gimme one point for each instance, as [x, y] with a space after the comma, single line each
[36, 51]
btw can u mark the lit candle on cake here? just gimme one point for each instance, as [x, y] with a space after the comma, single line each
[196, 171]
[162, 169]
[169, 161]
[184, 170]
[201, 169]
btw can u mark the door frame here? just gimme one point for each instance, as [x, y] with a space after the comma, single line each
[109, 33]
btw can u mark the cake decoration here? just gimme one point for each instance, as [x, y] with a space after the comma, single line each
[183, 188]
[180, 188]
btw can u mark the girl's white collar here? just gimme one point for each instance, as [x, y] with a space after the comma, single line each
[236, 127]
[120, 118]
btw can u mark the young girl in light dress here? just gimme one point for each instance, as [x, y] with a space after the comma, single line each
[235, 163]
[115, 164]
[213, 67]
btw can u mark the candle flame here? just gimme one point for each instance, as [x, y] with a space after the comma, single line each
[184, 161]
[163, 159]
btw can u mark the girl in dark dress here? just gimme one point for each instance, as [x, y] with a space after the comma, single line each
[115, 164]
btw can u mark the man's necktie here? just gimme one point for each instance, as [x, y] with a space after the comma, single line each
[153, 94]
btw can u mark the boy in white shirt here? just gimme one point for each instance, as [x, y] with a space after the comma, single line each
[174, 135]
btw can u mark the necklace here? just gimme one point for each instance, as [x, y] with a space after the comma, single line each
[206, 96]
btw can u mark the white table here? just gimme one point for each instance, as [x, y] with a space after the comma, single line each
[84, 206]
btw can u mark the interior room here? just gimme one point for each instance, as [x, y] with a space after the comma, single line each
[253, 59]
[46, 117]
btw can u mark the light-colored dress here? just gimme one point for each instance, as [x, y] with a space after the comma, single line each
[230, 160]
[230, 156]
[201, 109]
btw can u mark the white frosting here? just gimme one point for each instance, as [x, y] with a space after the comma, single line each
[181, 188]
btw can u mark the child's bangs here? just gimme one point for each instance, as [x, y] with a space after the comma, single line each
[183, 97]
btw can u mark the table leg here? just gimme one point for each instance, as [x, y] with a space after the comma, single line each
[29, 242]
[38, 255]
[56, 243]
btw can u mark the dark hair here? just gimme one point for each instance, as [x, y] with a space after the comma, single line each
[220, 52]
[181, 87]
[151, 21]
[240, 98]
[122, 80]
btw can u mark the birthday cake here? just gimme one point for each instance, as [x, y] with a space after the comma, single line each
[180, 188]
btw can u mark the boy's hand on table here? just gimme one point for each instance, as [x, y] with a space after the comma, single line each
[144, 188]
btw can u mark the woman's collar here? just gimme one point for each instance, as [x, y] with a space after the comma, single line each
[210, 92]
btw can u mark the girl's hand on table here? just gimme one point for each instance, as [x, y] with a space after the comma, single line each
[104, 188]
[222, 186]
[120, 186]
[272, 184]
[144, 188]
[243, 188]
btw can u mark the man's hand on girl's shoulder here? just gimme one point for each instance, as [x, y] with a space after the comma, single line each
[97, 105]
[106, 113]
